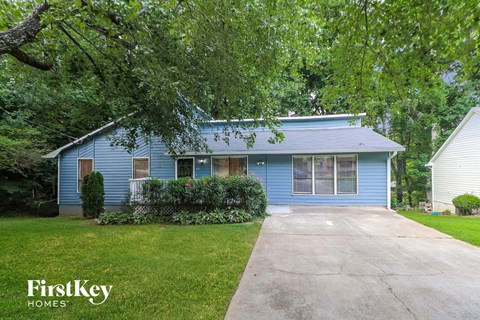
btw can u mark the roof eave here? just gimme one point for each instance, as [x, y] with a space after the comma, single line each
[251, 152]
[56, 152]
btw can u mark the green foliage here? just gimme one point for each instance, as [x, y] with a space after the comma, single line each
[395, 48]
[216, 216]
[466, 203]
[206, 194]
[107, 218]
[148, 60]
[157, 60]
[246, 192]
[92, 195]
[459, 99]
[114, 218]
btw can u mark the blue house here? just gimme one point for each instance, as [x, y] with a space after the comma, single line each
[324, 160]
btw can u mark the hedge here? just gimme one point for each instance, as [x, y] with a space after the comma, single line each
[206, 194]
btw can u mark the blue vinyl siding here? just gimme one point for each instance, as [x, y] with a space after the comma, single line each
[202, 170]
[114, 163]
[161, 165]
[276, 173]
[116, 166]
[372, 183]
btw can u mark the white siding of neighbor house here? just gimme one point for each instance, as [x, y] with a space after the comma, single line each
[456, 170]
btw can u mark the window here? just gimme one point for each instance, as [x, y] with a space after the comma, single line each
[229, 166]
[141, 168]
[346, 174]
[185, 168]
[324, 175]
[85, 166]
[302, 174]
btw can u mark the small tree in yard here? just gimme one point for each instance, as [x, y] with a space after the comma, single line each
[93, 195]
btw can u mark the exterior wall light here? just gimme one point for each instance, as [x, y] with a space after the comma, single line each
[202, 161]
[260, 163]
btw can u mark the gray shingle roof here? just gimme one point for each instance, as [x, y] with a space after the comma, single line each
[338, 140]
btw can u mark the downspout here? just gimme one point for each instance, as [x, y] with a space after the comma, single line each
[389, 179]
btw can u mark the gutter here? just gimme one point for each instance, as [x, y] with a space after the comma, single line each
[389, 179]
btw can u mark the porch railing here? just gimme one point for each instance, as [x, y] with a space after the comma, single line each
[136, 187]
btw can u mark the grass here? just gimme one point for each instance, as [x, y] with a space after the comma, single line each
[460, 227]
[157, 271]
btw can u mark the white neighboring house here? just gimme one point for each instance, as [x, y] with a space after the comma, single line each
[456, 165]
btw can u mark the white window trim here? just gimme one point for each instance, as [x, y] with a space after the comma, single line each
[93, 168]
[176, 166]
[133, 166]
[223, 157]
[335, 185]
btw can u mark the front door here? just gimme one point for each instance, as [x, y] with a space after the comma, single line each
[185, 168]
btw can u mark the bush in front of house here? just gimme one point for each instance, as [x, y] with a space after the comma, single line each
[92, 195]
[209, 200]
[206, 194]
[466, 203]
[118, 217]
[216, 216]
[246, 193]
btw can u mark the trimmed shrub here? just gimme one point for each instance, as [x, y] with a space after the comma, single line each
[245, 192]
[92, 195]
[126, 218]
[217, 216]
[206, 194]
[466, 203]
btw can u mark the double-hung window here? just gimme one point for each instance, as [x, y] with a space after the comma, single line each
[346, 174]
[229, 166]
[325, 175]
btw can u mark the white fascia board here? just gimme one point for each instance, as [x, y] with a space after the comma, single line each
[243, 152]
[472, 111]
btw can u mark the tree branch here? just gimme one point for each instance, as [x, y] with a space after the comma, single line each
[25, 32]
[31, 61]
[11, 40]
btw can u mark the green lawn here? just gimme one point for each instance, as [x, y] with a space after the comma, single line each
[157, 271]
[463, 228]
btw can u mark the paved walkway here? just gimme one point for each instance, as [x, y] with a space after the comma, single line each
[356, 263]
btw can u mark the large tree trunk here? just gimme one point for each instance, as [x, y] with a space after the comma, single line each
[11, 40]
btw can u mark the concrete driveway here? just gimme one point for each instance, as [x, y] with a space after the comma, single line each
[356, 263]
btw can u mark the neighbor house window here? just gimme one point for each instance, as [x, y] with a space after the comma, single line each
[325, 174]
[229, 166]
[85, 166]
[346, 174]
[141, 168]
